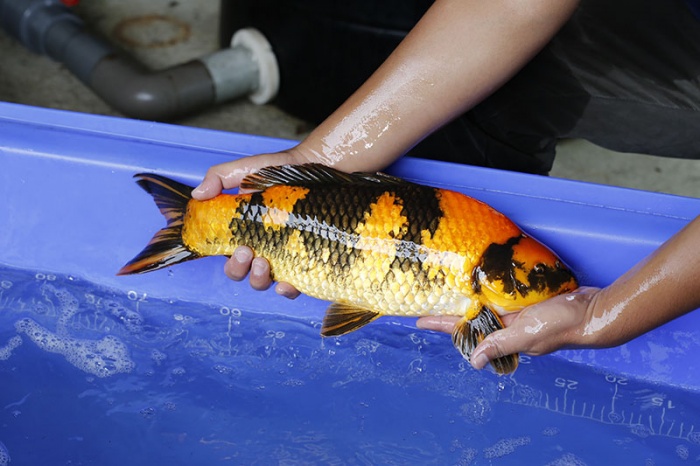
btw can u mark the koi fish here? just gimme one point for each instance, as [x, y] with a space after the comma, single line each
[370, 243]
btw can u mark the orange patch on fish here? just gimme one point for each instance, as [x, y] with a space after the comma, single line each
[384, 219]
[378, 234]
[203, 236]
[280, 201]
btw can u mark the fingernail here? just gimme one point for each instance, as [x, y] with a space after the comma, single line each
[257, 268]
[422, 322]
[200, 190]
[479, 360]
[243, 255]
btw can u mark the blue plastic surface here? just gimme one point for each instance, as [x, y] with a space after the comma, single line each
[70, 207]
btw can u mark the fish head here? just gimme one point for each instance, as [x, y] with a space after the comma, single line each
[520, 272]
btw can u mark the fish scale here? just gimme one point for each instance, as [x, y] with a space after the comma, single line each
[371, 244]
[374, 276]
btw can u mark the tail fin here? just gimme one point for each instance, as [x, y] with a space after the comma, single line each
[166, 248]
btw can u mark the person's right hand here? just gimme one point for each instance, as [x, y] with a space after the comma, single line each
[228, 176]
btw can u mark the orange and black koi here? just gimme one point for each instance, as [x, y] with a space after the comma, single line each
[370, 243]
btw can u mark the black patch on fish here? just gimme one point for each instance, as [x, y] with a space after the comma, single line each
[497, 264]
[543, 276]
[421, 206]
[329, 214]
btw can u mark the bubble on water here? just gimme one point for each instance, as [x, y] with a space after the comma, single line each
[694, 437]
[505, 447]
[158, 356]
[524, 394]
[222, 369]
[103, 358]
[148, 413]
[42, 307]
[4, 455]
[468, 456]
[65, 298]
[6, 351]
[477, 411]
[178, 371]
[68, 306]
[682, 452]
[641, 430]
[365, 346]
[293, 383]
[568, 459]
[550, 431]
[132, 320]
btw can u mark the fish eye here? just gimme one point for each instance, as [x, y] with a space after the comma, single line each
[539, 268]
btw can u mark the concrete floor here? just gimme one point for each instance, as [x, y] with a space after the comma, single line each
[164, 41]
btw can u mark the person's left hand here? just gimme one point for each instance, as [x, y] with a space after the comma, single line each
[538, 329]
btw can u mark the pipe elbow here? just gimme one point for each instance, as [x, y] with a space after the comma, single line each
[156, 95]
[248, 68]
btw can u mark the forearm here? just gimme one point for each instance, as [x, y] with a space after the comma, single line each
[458, 53]
[664, 286]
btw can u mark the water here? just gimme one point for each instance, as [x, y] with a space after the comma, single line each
[90, 375]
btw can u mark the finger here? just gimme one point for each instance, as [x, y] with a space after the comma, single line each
[260, 274]
[438, 323]
[237, 267]
[287, 290]
[219, 177]
[230, 174]
[509, 318]
[496, 345]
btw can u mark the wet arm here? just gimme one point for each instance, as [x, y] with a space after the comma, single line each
[457, 54]
[664, 286]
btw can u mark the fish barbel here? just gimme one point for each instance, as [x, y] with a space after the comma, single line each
[370, 243]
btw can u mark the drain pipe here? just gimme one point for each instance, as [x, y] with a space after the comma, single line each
[47, 27]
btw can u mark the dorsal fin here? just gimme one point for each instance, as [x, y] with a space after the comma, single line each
[311, 174]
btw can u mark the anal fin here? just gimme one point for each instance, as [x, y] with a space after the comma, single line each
[344, 318]
[468, 333]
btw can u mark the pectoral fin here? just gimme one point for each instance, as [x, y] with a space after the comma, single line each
[344, 318]
[468, 333]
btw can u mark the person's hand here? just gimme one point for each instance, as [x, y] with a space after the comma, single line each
[228, 176]
[539, 329]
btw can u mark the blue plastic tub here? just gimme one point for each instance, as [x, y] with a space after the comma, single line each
[183, 366]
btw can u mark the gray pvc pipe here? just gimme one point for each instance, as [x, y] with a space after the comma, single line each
[48, 27]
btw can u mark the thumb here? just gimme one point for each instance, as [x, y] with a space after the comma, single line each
[496, 345]
[230, 174]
